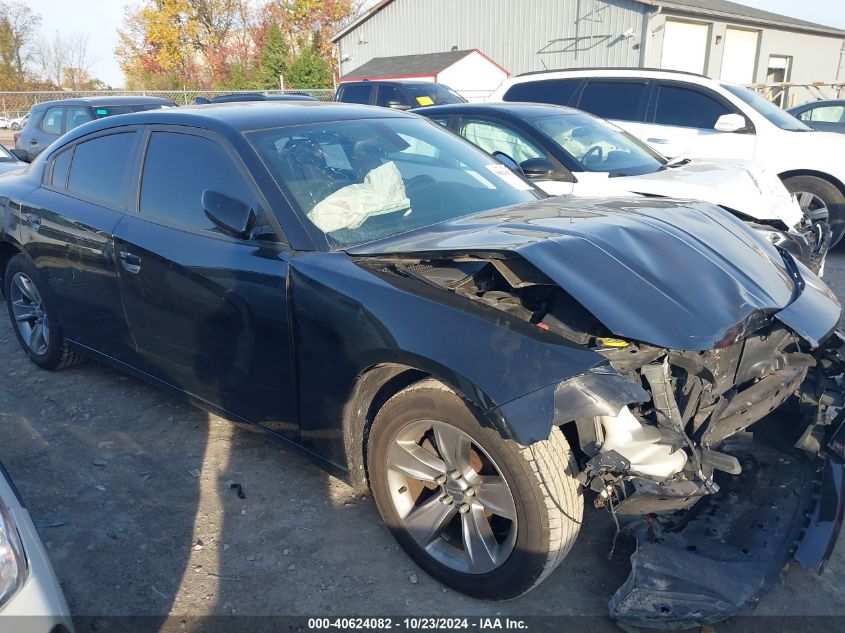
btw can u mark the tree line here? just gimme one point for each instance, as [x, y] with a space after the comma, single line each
[231, 44]
[31, 60]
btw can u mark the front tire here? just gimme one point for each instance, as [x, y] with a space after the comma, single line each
[486, 516]
[33, 317]
[822, 201]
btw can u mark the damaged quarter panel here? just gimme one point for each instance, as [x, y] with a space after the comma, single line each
[360, 317]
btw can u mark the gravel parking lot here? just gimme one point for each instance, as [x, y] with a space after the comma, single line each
[132, 492]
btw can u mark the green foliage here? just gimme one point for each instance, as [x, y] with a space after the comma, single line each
[309, 70]
[274, 57]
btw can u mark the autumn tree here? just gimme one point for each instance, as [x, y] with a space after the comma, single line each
[18, 35]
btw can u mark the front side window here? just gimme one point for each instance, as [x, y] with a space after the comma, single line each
[554, 91]
[178, 168]
[356, 94]
[493, 136]
[767, 109]
[683, 107]
[98, 168]
[599, 146]
[390, 95]
[613, 99]
[77, 115]
[426, 94]
[361, 180]
[52, 121]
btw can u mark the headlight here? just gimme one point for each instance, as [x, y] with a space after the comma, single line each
[773, 235]
[12, 561]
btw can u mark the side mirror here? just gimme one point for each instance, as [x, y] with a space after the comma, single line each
[730, 123]
[20, 154]
[398, 105]
[232, 216]
[506, 160]
[537, 168]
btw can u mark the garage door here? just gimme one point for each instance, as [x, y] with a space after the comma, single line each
[739, 56]
[684, 46]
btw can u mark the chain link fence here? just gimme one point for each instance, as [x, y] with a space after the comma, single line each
[16, 104]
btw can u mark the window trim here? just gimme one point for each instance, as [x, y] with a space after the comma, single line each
[266, 215]
[61, 124]
[105, 204]
[642, 108]
[651, 115]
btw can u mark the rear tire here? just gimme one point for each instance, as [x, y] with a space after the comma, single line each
[534, 484]
[33, 317]
[812, 193]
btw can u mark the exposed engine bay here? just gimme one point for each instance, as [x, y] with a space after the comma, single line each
[656, 460]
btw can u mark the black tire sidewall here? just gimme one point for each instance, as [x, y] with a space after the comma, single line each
[527, 562]
[55, 348]
[831, 196]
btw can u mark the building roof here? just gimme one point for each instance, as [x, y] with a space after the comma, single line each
[742, 13]
[424, 65]
[716, 8]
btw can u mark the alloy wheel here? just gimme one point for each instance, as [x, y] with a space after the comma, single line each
[451, 497]
[30, 315]
[813, 206]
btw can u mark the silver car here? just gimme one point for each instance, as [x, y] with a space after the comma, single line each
[31, 600]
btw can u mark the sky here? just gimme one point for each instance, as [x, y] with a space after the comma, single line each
[100, 19]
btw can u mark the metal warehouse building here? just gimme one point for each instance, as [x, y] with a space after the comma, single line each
[721, 39]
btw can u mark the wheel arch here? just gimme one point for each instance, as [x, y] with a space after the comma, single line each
[818, 174]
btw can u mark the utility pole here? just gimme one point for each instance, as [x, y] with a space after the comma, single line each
[281, 83]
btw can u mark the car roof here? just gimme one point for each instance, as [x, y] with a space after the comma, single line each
[635, 73]
[371, 82]
[820, 102]
[105, 101]
[512, 108]
[243, 116]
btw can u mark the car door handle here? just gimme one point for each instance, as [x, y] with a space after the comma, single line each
[131, 263]
[33, 141]
[658, 140]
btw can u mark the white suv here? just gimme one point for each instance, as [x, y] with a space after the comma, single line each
[683, 113]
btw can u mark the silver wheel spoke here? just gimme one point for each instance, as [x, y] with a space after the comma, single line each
[415, 461]
[36, 339]
[426, 522]
[26, 288]
[804, 199]
[24, 316]
[453, 446]
[479, 542]
[493, 494]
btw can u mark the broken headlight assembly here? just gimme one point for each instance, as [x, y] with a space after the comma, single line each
[12, 560]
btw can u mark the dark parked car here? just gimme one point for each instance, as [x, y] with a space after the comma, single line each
[371, 288]
[50, 119]
[827, 114]
[254, 96]
[399, 95]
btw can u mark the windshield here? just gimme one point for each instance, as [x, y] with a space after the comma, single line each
[427, 94]
[596, 145]
[774, 114]
[362, 180]
[6, 155]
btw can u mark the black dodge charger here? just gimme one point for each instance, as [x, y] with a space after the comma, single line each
[366, 286]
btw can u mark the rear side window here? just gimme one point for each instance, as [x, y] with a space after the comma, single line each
[356, 94]
[61, 165]
[613, 99]
[172, 186]
[683, 107]
[98, 169]
[52, 121]
[78, 115]
[554, 91]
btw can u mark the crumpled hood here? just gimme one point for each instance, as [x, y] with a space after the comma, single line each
[679, 280]
[746, 187]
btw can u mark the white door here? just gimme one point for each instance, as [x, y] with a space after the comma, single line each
[684, 120]
[684, 46]
[739, 56]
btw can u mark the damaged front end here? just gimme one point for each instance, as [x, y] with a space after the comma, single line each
[664, 437]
